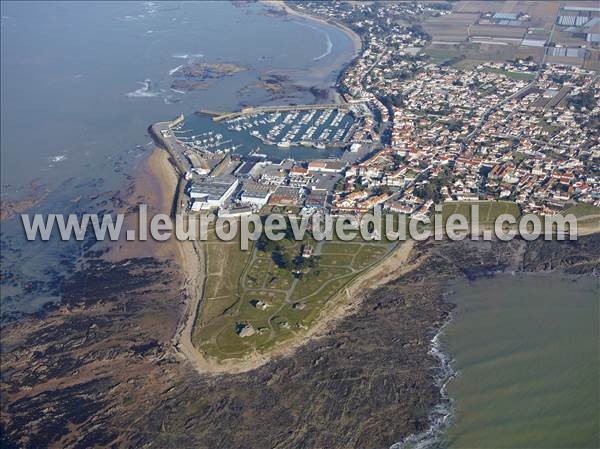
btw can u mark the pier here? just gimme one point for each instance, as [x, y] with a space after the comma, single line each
[163, 137]
[218, 117]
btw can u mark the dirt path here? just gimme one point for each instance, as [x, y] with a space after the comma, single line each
[339, 307]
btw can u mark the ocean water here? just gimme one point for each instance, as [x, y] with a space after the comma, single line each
[81, 82]
[526, 351]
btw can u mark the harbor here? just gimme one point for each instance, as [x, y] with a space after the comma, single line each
[301, 132]
[318, 128]
[269, 156]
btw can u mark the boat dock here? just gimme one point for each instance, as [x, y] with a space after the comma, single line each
[266, 109]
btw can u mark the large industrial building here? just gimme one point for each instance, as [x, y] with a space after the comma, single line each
[255, 194]
[213, 191]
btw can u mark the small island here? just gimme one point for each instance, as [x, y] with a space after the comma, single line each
[200, 75]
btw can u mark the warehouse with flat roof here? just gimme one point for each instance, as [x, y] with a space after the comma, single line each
[213, 191]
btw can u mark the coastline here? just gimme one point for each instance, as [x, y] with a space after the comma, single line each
[113, 363]
[155, 181]
[191, 259]
[442, 413]
[380, 355]
[283, 6]
[404, 261]
[340, 307]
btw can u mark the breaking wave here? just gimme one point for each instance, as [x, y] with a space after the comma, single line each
[56, 159]
[329, 43]
[188, 56]
[145, 91]
[441, 415]
[150, 7]
[173, 71]
[328, 50]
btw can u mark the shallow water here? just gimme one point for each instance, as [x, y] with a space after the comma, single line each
[526, 350]
[82, 81]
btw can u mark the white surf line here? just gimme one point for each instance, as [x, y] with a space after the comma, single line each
[441, 415]
[172, 71]
[329, 44]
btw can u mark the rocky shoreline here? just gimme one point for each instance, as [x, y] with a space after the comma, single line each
[201, 75]
[11, 207]
[100, 369]
[86, 371]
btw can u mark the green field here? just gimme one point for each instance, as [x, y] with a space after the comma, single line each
[439, 55]
[511, 74]
[252, 289]
[588, 216]
[582, 210]
[488, 210]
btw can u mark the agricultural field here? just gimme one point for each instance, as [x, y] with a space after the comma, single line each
[470, 32]
[258, 298]
[450, 28]
[542, 13]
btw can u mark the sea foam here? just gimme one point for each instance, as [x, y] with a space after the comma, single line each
[328, 42]
[173, 71]
[441, 415]
[145, 91]
[188, 56]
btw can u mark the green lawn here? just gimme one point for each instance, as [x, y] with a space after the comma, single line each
[488, 210]
[511, 74]
[239, 280]
[582, 210]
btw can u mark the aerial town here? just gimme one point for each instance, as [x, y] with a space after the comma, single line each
[340, 224]
[417, 130]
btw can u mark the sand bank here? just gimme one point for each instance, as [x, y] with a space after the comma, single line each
[154, 185]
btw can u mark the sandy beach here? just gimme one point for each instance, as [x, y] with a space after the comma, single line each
[191, 260]
[190, 257]
[278, 4]
[155, 183]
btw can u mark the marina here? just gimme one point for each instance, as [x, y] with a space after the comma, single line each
[313, 128]
[206, 141]
[302, 135]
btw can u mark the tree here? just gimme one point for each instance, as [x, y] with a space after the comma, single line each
[583, 100]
